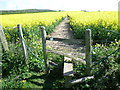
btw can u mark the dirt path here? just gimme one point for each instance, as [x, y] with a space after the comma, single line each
[67, 44]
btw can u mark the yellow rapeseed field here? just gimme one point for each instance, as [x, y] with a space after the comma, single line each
[46, 18]
[96, 18]
[104, 25]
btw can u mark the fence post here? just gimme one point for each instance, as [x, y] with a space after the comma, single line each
[43, 34]
[23, 43]
[3, 39]
[1, 70]
[88, 51]
[0, 59]
[0, 51]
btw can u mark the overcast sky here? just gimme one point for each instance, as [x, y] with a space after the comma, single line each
[71, 5]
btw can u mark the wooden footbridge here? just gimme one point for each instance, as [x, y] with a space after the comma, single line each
[68, 59]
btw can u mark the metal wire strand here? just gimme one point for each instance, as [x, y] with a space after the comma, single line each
[105, 58]
[29, 48]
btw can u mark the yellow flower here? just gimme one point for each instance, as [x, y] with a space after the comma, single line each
[23, 80]
[31, 19]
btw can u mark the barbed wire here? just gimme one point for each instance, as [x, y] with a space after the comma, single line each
[105, 58]
[29, 48]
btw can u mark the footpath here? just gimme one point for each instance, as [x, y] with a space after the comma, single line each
[62, 41]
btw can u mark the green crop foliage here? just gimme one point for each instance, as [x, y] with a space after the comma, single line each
[99, 22]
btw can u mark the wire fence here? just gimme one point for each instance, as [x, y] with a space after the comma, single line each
[36, 56]
[31, 51]
[32, 36]
[105, 58]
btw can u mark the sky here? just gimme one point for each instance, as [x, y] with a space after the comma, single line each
[67, 5]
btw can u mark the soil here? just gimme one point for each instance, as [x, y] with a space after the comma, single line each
[62, 39]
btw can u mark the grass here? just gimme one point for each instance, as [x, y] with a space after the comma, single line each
[35, 81]
[39, 80]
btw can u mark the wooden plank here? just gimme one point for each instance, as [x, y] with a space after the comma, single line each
[22, 43]
[75, 81]
[3, 39]
[43, 34]
[88, 51]
[73, 41]
[76, 41]
[67, 59]
[66, 55]
[68, 69]
[62, 39]
[52, 63]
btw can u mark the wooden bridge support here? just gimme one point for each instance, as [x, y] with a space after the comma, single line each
[68, 66]
[68, 71]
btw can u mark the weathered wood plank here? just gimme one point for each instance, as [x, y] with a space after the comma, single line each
[75, 41]
[52, 63]
[66, 55]
[3, 39]
[75, 81]
[68, 69]
[67, 59]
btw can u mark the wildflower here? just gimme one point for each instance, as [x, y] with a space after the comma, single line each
[23, 81]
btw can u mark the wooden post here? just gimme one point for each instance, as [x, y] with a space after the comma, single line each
[0, 65]
[83, 79]
[3, 39]
[43, 34]
[88, 50]
[0, 52]
[23, 43]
